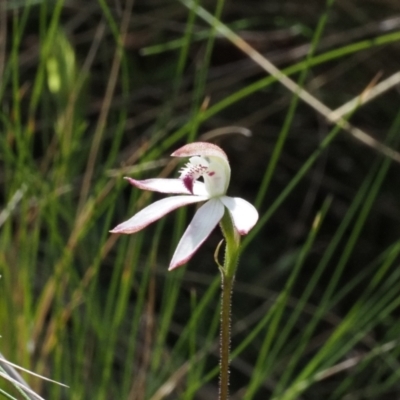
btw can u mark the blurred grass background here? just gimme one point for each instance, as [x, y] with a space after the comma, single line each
[93, 91]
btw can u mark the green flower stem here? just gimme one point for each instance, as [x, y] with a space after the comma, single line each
[228, 270]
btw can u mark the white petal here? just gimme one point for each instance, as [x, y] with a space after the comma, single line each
[175, 186]
[203, 223]
[244, 214]
[155, 211]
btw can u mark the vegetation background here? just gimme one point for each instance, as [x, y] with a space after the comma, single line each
[95, 90]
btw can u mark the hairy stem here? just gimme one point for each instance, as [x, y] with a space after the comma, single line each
[225, 335]
[228, 270]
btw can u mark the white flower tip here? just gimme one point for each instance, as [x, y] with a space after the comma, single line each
[200, 149]
[133, 182]
[249, 228]
[252, 218]
[177, 260]
[126, 228]
[243, 232]
[176, 265]
[117, 229]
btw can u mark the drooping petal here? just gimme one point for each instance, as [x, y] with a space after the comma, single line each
[244, 214]
[204, 221]
[155, 211]
[173, 186]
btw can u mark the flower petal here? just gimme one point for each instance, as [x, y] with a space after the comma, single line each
[244, 214]
[175, 186]
[155, 211]
[203, 149]
[204, 221]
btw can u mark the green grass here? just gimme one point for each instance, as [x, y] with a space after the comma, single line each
[83, 104]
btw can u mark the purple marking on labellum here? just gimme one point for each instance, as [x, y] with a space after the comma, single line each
[188, 182]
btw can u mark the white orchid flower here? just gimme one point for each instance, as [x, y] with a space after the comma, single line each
[211, 163]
